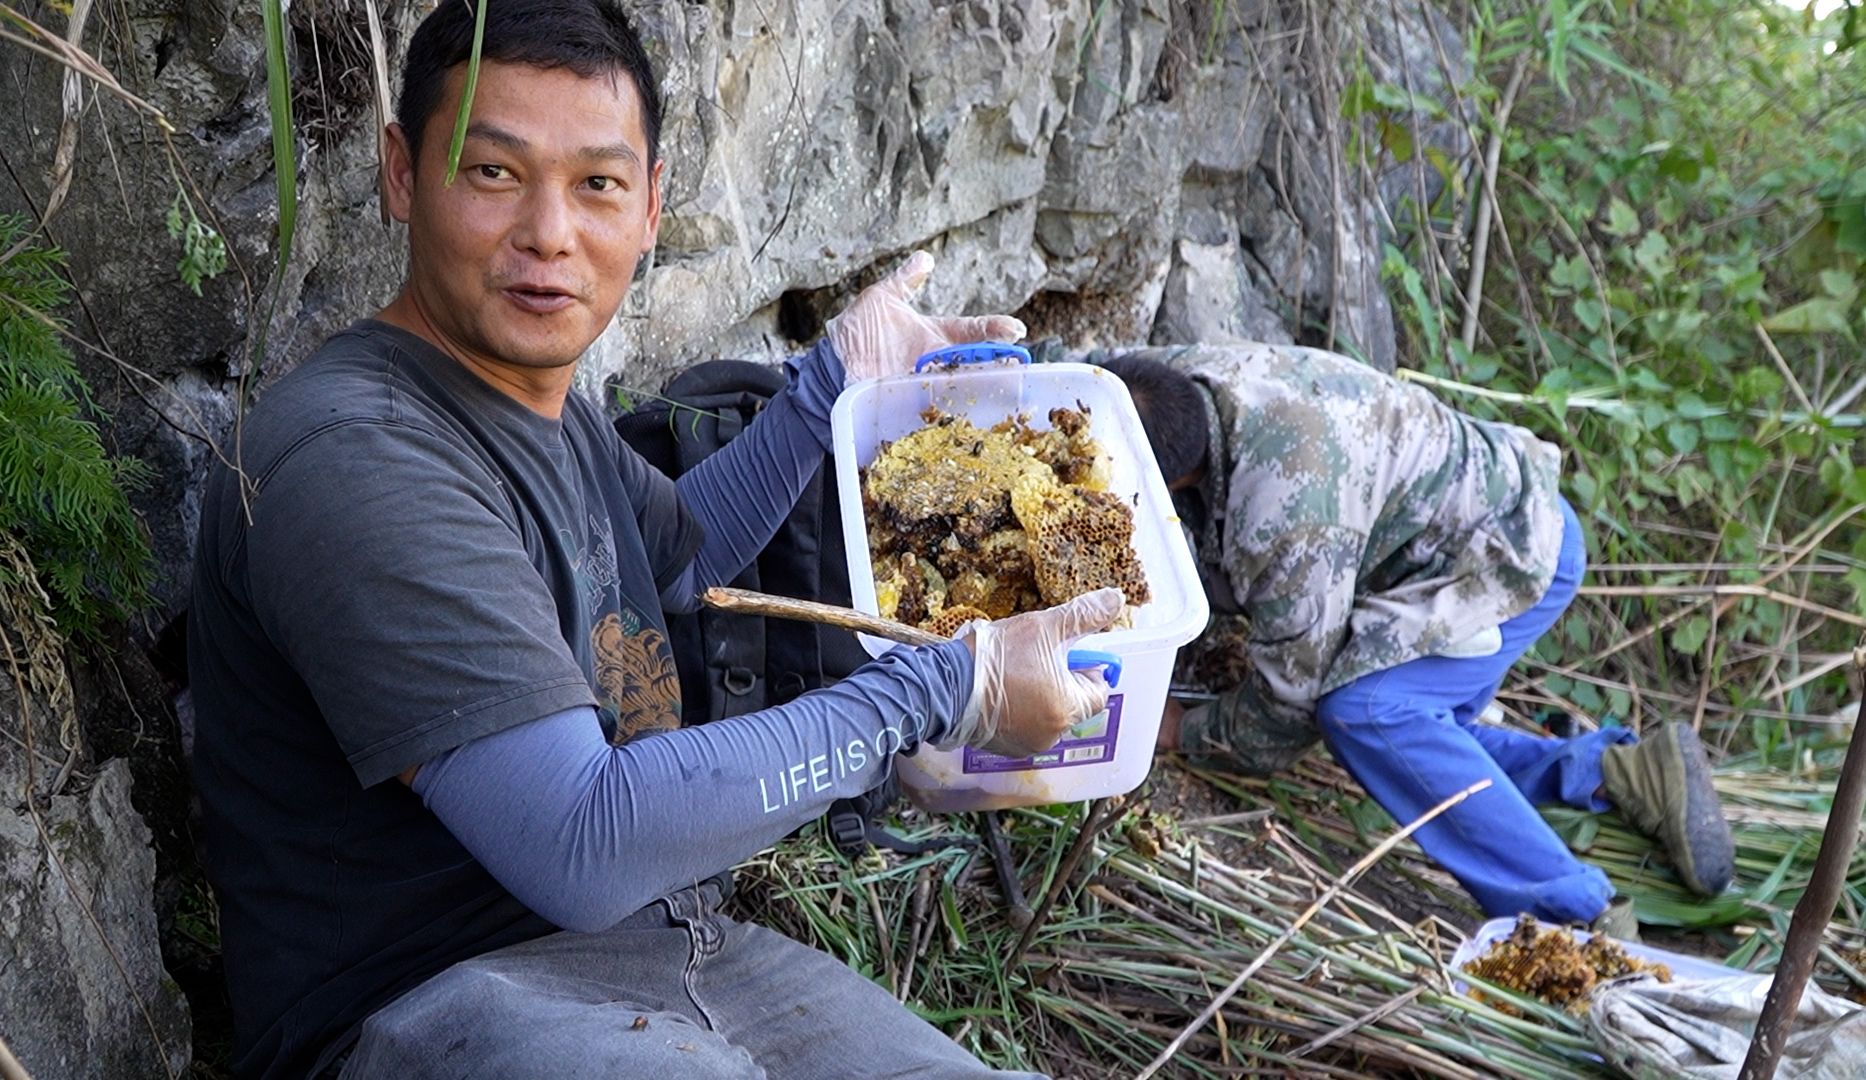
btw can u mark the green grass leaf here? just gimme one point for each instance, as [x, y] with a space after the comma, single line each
[279, 105]
[466, 94]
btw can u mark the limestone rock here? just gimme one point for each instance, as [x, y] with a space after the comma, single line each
[80, 972]
[1210, 300]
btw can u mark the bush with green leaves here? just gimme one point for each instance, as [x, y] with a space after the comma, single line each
[1677, 249]
[61, 493]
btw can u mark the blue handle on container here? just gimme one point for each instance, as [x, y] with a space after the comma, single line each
[1083, 659]
[982, 352]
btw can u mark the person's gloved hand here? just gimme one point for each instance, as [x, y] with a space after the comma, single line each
[1024, 697]
[882, 334]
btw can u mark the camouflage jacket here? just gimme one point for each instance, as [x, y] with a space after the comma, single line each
[1358, 523]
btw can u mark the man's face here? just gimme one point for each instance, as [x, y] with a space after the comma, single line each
[523, 260]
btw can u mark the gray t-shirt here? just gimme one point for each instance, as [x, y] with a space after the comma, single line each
[414, 561]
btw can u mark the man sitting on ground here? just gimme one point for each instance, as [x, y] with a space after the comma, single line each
[1394, 558]
[437, 581]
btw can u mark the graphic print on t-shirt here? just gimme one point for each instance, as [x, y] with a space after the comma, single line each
[635, 671]
[595, 569]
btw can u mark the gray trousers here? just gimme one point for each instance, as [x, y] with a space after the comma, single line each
[676, 990]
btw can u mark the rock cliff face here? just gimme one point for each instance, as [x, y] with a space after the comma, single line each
[80, 965]
[1117, 171]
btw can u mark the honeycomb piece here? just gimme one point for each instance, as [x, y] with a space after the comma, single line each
[993, 574]
[1079, 540]
[942, 527]
[1069, 449]
[947, 477]
[969, 588]
[950, 619]
[888, 596]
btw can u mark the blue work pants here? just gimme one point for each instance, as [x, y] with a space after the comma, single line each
[1411, 736]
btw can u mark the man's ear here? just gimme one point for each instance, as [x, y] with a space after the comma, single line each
[398, 174]
[653, 230]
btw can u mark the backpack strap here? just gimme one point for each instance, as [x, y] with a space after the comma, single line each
[853, 834]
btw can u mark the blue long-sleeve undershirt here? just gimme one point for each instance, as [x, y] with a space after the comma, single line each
[585, 833]
[742, 493]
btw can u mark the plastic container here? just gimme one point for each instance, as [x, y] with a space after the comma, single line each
[1109, 754]
[1683, 967]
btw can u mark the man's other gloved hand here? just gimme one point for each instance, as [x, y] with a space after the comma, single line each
[1024, 697]
[882, 334]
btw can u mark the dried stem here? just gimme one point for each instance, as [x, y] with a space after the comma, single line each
[1301, 921]
[1486, 207]
[1101, 813]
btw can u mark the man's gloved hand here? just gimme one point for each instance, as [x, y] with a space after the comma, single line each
[1024, 697]
[882, 334]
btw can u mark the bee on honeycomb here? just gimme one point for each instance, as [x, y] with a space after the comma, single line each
[995, 521]
[1548, 964]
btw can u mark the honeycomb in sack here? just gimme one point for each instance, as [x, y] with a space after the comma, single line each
[1550, 965]
[967, 523]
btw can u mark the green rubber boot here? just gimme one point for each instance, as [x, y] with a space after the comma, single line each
[1662, 785]
[1618, 921]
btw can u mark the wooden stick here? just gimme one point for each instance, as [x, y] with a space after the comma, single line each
[747, 602]
[1013, 889]
[1302, 920]
[1101, 814]
[1811, 913]
[10, 1068]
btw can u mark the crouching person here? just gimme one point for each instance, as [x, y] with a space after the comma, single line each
[1394, 558]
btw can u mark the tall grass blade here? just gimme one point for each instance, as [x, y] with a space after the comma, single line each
[466, 94]
[279, 104]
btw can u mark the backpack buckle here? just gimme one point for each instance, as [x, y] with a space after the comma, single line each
[847, 830]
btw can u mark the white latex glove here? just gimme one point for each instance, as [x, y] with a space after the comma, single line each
[882, 334]
[1024, 697]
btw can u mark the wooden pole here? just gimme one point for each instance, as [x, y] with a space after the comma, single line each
[1812, 913]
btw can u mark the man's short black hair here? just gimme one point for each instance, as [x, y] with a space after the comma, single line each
[1172, 412]
[589, 37]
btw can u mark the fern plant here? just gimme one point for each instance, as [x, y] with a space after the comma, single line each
[61, 493]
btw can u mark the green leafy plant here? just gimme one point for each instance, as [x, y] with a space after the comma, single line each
[61, 493]
[1673, 294]
[203, 252]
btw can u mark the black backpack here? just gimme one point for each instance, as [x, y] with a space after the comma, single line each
[731, 664]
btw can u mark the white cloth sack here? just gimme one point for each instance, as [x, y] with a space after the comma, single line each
[1700, 1029]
